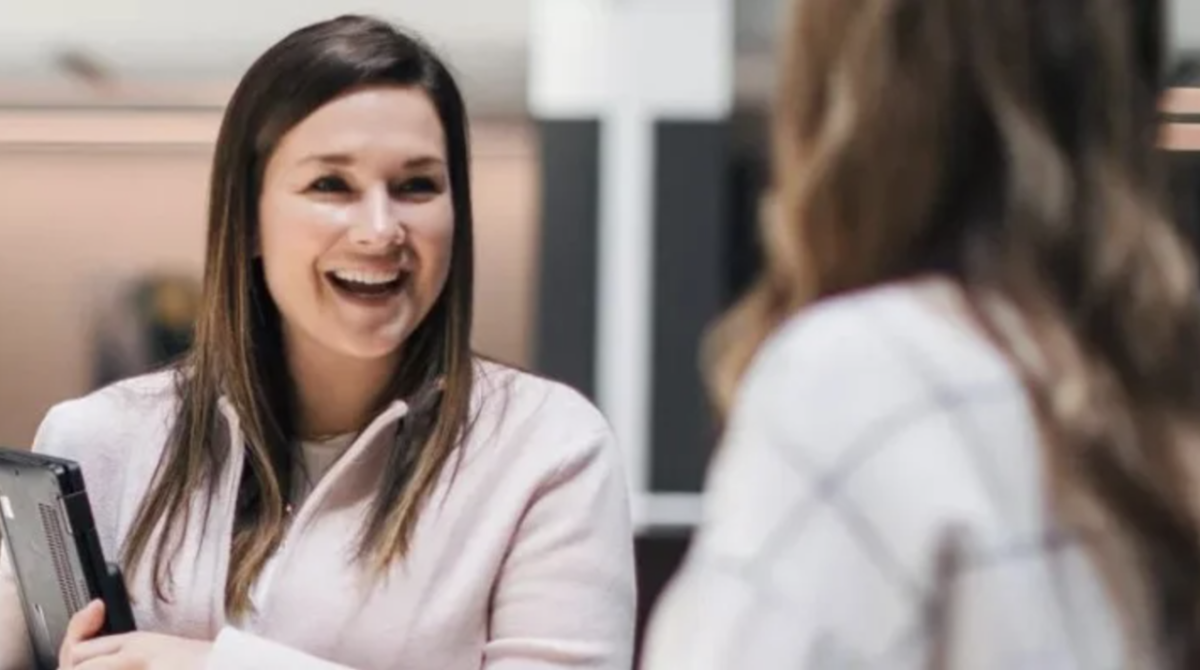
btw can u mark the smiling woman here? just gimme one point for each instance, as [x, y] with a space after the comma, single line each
[331, 443]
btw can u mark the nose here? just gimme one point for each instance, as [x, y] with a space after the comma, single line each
[377, 223]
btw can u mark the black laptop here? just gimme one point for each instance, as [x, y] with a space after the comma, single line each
[50, 536]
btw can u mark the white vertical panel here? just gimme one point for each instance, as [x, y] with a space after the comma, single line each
[570, 58]
[678, 57]
[629, 63]
[623, 365]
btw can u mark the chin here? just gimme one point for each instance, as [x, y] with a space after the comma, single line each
[369, 350]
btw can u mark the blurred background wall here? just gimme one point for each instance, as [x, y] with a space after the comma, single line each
[90, 200]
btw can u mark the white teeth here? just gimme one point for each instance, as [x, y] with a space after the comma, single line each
[369, 278]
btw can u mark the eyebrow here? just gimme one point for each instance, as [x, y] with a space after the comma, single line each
[343, 159]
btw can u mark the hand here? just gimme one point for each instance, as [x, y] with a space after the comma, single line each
[82, 650]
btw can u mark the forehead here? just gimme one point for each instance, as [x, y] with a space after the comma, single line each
[391, 120]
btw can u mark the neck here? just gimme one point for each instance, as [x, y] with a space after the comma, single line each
[335, 394]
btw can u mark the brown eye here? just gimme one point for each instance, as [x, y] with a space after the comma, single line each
[418, 186]
[329, 184]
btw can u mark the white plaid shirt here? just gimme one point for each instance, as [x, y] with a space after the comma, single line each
[871, 433]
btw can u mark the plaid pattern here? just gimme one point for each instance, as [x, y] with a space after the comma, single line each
[878, 504]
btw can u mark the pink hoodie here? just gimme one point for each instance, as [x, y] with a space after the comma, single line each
[525, 562]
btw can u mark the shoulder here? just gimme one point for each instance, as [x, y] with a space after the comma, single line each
[818, 356]
[879, 323]
[862, 373]
[869, 355]
[512, 395]
[875, 408]
[104, 423]
[536, 420]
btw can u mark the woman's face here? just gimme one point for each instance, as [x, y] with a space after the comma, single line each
[356, 222]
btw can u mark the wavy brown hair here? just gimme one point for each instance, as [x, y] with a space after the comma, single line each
[238, 353]
[1009, 145]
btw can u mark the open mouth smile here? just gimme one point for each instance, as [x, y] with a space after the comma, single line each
[368, 284]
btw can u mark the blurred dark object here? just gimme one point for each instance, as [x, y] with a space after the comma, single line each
[87, 69]
[660, 553]
[1185, 71]
[149, 325]
[750, 178]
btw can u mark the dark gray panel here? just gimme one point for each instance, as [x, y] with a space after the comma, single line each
[692, 180]
[565, 345]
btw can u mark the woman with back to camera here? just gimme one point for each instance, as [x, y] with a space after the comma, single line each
[332, 479]
[965, 392]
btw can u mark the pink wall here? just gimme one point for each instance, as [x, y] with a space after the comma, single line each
[77, 217]
[1178, 136]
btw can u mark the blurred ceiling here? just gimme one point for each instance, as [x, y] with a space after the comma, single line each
[189, 52]
[758, 21]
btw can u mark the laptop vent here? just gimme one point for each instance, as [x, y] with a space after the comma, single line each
[53, 527]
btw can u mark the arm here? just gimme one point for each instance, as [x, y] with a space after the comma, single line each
[750, 597]
[566, 595]
[565, 599]
[232, 650]
[772, 583]
[235, 650]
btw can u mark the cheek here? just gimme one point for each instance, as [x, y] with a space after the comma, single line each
[433, 239]
[292, 236]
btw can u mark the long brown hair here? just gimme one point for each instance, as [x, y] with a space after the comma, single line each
[238, 350]
[1009, 146]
